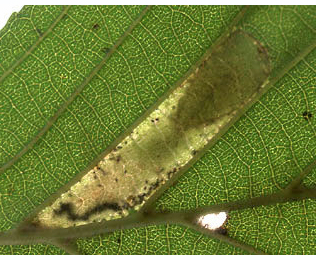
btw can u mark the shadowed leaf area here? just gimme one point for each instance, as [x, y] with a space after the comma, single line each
[76, 81]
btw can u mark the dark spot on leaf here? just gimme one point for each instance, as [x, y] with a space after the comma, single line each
[155, 185]
[222, 231]
[40, 33]
[307, 115]
[126, 206]
[141, 197]
[64, 207]
[96, 26]
[118, 158]
[105, 50]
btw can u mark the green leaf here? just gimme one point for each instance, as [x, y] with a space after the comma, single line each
[76, 80]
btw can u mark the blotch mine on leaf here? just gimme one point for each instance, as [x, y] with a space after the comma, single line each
[153, 153]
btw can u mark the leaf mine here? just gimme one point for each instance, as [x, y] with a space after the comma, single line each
[168, 138]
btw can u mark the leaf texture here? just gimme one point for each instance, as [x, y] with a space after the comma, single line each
[74, 81]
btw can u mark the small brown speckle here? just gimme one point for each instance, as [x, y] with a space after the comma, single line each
[307, 115]
[116, 179]
[222, 231]
[96, 26]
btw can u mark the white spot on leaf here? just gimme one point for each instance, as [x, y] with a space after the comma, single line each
[213, 221]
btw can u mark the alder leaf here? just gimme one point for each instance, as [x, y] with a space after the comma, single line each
[75, 81]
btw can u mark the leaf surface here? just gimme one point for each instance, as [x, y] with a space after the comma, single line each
[74, 81]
